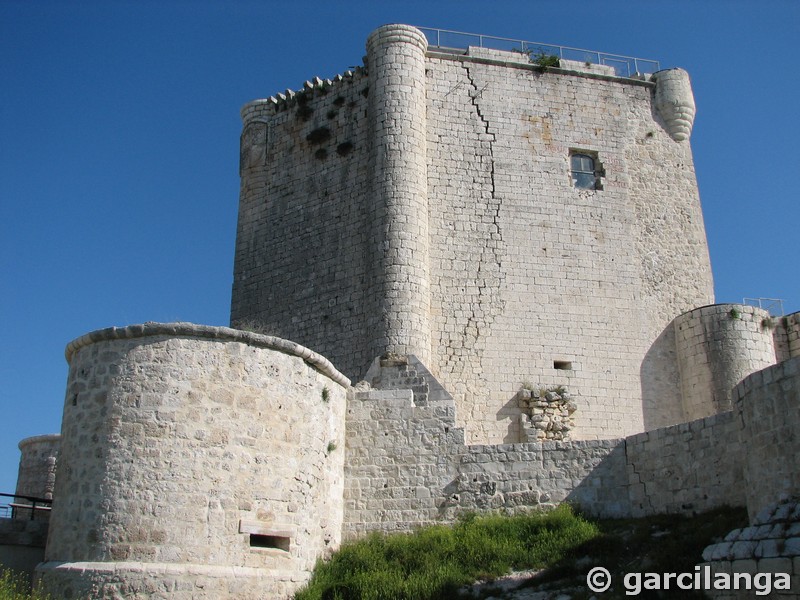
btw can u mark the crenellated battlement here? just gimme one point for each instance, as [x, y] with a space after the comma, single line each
[289, 98]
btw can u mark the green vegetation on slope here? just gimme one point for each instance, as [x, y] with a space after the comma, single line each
[15, 586]
[434, 562]
[656, 544]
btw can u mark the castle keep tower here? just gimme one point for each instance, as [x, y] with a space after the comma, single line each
[503, 221]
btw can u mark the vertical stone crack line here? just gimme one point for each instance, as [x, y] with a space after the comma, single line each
[494, 242]
[487, 305]
[491, 137]
[638, 479]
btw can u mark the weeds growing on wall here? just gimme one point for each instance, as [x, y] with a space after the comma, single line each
[436, 561]
[544, 59]
[15, 586]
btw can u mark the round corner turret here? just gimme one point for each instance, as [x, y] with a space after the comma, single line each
[674, 101]
[394, 33]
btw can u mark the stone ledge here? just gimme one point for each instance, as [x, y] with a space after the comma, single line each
[47, 437]
[211, 333]
[154, 568]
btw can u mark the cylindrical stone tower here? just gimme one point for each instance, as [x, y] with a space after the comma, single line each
[196, 462]
[717, 347]
[768, 401]
[675, 102]
[396, 63]
[37, 470]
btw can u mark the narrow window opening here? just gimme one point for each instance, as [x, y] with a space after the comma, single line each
[269, 541]
[562, 365]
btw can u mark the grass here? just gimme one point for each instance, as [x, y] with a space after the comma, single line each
[657, 544]
[435, 562]
[16, 586]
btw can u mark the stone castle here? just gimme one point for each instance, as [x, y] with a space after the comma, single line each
[509, 257]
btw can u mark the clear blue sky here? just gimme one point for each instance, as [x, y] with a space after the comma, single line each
[119, 133]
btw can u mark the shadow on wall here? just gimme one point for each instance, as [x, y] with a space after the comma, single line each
[660, 381]
[512, 412]
[604, 489]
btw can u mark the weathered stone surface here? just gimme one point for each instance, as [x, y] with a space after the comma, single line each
[174, 444]
[439, 219]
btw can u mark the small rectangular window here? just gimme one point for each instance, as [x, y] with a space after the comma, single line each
[562, 365]
[264, 535]
[269, 541]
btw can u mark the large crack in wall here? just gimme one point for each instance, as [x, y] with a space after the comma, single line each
[489, 271]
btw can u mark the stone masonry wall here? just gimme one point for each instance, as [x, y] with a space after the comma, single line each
[768, 547]
[535, 280]
[519, 275]
[786, 333]
[304, 265]
[407, 464]
[396, 64]
[792, 325]
[37, 471]
[195, 451]
[687, 468]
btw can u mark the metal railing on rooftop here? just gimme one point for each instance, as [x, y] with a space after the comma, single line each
[624, 66]
[774, 306]
[26, 507]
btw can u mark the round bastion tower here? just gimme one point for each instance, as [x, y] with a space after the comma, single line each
[196, 463]
[396, 62]
[37, 469]
[718, 346]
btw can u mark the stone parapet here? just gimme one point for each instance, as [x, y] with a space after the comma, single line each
[192, 330]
